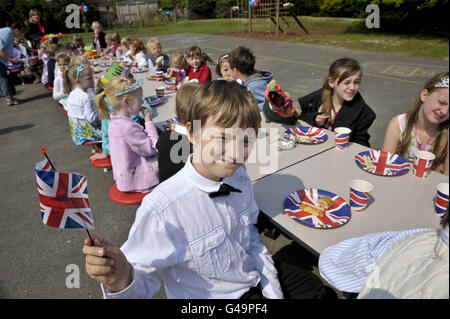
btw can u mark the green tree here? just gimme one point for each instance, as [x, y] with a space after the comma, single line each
[201, 9]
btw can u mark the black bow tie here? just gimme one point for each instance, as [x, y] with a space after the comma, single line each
[224, 190]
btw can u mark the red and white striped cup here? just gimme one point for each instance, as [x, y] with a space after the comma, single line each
[342, 137]
[359, 194]
[441, 202]
[422, 163]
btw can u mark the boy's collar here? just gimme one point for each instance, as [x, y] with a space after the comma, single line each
[180, 129]
[202, 183]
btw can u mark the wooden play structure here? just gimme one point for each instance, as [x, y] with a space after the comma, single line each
[266, 15]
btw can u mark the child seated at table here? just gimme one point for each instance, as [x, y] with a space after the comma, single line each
[173, 145]
[98, 41]
[409, 264]
[138, 52]
[83, 118]
[131, 147]
[338, 103]
[156, 60]
[223, 68]
[104, 115]
[176, 74]
[196, 65]
[242, 65]
[425, 126]
[123, 51]
[63, 60]
[77, 45]
[196, 230]
[115, 42]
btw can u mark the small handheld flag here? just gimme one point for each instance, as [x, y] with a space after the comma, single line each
[63, 197]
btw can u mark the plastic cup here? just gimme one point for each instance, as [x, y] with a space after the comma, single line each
[160, 91]
[342, 137]
[422, 163]
[359, 194]
[441, 202]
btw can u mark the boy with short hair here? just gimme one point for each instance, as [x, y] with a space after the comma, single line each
[196, 230]
[242, 65]
[156, 60]
[174, 146]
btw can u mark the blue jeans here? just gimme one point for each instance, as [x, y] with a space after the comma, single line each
[6, 86]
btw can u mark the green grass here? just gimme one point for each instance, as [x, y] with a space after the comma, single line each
[412, 45]
[352, 34]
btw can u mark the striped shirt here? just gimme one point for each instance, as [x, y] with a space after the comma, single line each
[347, 264]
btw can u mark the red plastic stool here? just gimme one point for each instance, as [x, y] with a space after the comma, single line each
[104, 163]
[94, 144]
[125, 198]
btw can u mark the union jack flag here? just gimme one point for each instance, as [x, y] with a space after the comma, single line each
[385, 163]
[318, 135]
[335, 216]
[63, 198]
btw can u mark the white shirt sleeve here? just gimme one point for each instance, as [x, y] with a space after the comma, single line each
[152, 67]
[89, 112]
[148, 249]
[58, 88]
[141, 59]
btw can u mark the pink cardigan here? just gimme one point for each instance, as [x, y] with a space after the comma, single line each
[133, 154]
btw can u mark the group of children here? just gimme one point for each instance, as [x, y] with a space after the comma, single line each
[195, 230]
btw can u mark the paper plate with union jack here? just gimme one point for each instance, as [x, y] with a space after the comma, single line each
[337, 215]
[382, 163]
[155, 100]
[170, 123]
[308, 134]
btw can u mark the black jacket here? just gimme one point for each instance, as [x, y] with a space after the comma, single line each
[34, 34]
[167, 168]
[356, 115]
[101, 38]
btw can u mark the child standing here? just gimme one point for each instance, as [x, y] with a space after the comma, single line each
[197, 68]
[196, 230]
[174, 146]
[242, 65]
[338, 103]
[132, 148]
[51, 63]
[83, 118]
[156, 60]
[63, 60]
[138, 53]
[425, 126]
[223, 69]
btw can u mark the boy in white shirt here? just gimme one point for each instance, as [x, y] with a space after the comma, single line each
[196, 230]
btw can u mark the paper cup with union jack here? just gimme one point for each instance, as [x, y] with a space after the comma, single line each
[441, 202]
[160, 91]
[342, 137]
[359, 194]
[422, 163]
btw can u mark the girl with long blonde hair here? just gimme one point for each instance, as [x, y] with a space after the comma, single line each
[425, 126]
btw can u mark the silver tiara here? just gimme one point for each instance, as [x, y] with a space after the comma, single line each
[139, 80]
[442, 84]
